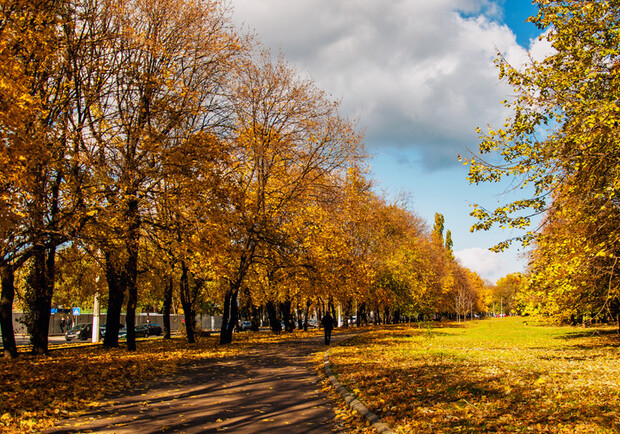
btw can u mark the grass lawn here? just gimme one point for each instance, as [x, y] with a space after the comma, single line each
[497, 375]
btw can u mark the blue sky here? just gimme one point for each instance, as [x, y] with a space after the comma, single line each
[418, 75]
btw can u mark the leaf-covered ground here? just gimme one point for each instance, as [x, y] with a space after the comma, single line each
[35, 391]
[499, 375]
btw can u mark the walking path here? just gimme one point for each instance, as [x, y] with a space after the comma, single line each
[269, 389]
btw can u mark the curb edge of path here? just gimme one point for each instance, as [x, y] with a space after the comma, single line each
[353, 402]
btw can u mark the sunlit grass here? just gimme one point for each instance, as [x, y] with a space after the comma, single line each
[500, 375]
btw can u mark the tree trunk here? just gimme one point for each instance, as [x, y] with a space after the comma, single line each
[39, 298]
[397, 316]
[225, 315]
[306, 314]
[167, 307]
[255, 319]
[7, 273]
[116, 295]
[285, 309]
[41, 279]
[188, 305]
[361, 315]
[131, 270]
[300, 317]
[230, 315]
[130, 318]
[274, 321]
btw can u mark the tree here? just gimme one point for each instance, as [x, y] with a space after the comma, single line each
[439, 227]
[36, 161]
[78, 277]
[562, 138]
[507, 290]
[568, 279]
[288, 139]
[167, 61]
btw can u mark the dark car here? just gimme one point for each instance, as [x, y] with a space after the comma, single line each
[122, 331]
[155, 329]
[79, 331]
[142, 331]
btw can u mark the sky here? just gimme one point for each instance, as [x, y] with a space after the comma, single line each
[418, 77]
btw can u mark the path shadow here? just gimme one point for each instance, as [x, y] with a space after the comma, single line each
[269, 388]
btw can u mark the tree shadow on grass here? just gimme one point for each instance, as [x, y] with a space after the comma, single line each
[592, 333]
[593, 339]
[450, 397]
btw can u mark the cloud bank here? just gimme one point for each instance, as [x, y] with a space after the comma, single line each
[489, 265]
[417, 74]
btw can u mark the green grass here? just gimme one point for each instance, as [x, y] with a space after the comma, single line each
[497, 375]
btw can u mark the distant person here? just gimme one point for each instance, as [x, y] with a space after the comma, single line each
[63, 323]
[328, 326]
[277, 327]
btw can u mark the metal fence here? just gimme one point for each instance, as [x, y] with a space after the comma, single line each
[204, 322]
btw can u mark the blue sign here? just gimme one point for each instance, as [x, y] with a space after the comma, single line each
[76, 310]
[54, 310]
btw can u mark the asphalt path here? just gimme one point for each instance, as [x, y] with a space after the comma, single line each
[271, 388]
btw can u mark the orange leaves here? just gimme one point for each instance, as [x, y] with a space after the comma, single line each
[35, 391]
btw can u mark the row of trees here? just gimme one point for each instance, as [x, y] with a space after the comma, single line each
[563, 142]
[147, 145]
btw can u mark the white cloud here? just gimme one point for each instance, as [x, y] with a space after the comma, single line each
[540, 48]
[489, 265]
[417, 74]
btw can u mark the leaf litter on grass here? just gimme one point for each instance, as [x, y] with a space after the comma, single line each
[36, 391]
[499, 375]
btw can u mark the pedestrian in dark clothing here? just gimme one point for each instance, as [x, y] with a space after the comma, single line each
[328, 326]
[63, 322]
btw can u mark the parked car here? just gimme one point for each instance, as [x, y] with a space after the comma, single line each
[79, 331]
[155, 329]
[245, 325]
[142, 331]
[103, 327]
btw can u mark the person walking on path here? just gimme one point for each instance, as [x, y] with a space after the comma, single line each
[328, 326]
